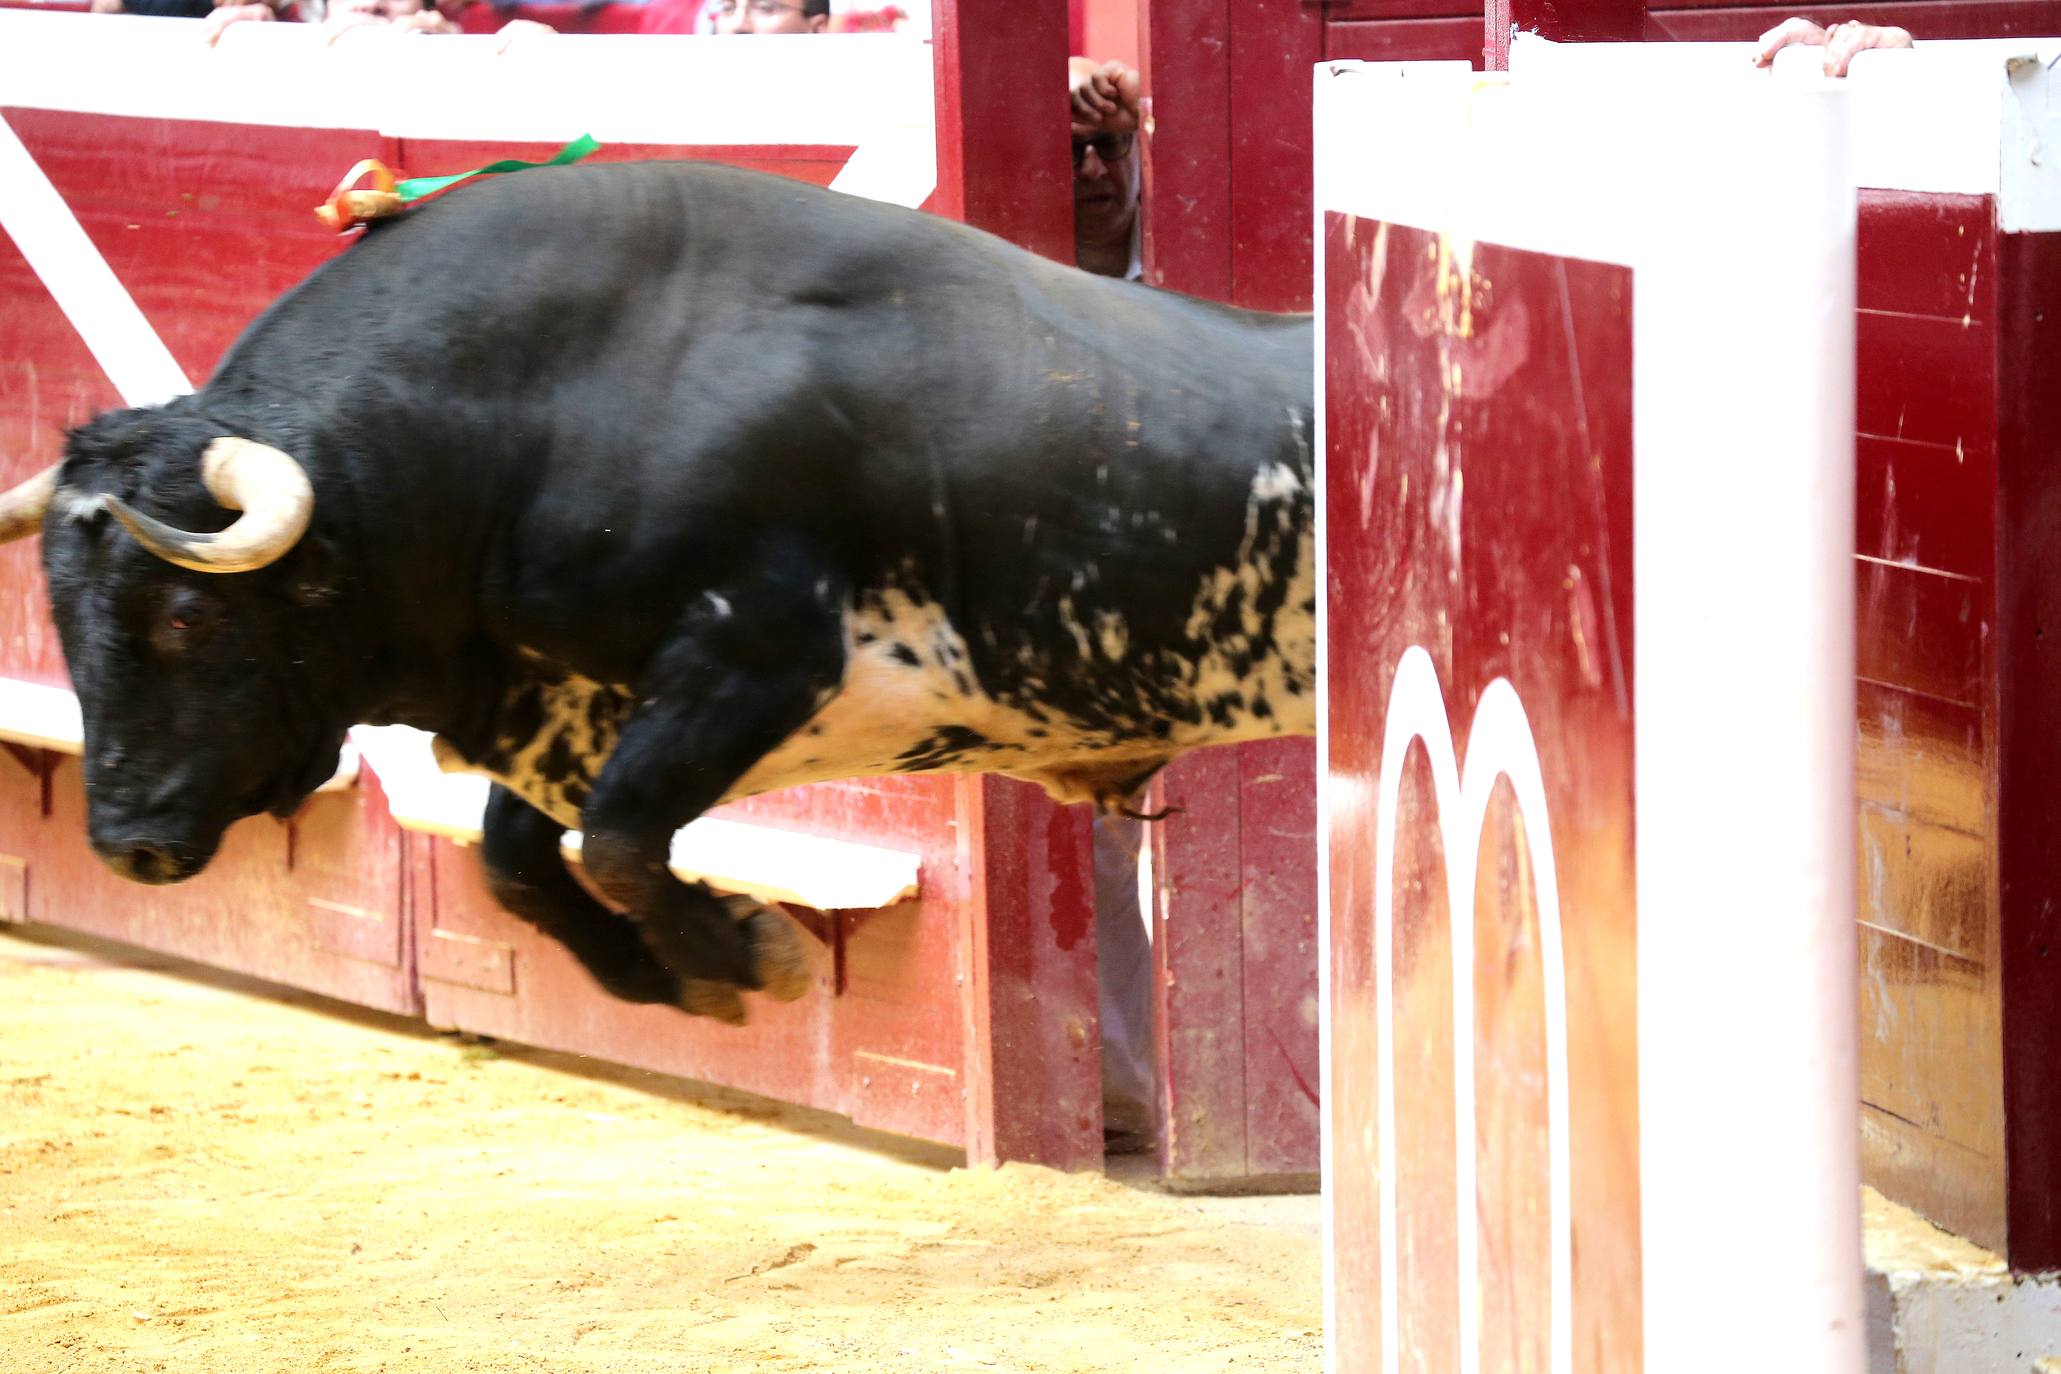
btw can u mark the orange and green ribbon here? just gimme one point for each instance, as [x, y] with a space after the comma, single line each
[415, 188]
[350, 204]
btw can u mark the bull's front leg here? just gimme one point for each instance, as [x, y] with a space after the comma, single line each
[525, 867]
[746, 669]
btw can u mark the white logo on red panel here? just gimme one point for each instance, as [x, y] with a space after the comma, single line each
[1499, 745]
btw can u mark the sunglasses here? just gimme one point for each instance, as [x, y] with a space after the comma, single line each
[1110, 148]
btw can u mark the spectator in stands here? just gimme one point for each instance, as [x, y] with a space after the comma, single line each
[770, 16]
[1103, 103]
[162, 9]
[1840, 42]
[342, 16]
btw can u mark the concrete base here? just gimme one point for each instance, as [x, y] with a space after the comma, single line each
[1940, 1305]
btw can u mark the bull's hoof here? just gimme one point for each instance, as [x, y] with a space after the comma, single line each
[777, 956]
[721, 1001]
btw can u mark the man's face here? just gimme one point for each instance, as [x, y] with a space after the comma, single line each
[764, 16]
[1105, 186]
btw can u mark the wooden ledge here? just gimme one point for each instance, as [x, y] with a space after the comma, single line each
[731, 856]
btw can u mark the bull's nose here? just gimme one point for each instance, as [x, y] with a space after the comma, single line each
[144, 862]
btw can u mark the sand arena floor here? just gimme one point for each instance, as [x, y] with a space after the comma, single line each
[199, 1173]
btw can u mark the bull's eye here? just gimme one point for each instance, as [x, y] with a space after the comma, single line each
[185, 617]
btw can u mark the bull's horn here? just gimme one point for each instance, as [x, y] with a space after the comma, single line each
[21, 509]
[268, 486]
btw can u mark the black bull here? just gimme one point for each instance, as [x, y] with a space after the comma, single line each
[649, 486]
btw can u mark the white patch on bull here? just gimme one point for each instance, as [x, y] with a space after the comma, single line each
[887, 710]
[1112, 635]
[72, 504]
[888, 715]
[1275, 508]
[719, 603]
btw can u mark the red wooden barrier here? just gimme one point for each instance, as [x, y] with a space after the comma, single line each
[1587, 733]
[1956, 526]
[1228, 177]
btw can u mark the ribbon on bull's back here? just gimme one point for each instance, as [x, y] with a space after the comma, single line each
[351, 204]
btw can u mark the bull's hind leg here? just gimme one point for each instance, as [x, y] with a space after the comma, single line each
[527, 872]
[746, 669]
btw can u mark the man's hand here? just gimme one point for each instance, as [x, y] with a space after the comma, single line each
[1102, 97]
[228, 12]
[521, 28]
[1840, 42]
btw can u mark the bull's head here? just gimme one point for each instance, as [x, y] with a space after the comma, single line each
[184, 631]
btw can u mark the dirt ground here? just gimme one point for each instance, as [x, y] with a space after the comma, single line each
[199, 1174]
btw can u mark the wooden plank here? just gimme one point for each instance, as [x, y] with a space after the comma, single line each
[1912, 504]
[1002, 158]
[1187, 197]
[1275, 45]
[1920, 630]
[1199, 968]
[1033, 1042]
[1929, 380]
[1948, 234]
[1407, 40]
[1590, 21]
[1277, 859]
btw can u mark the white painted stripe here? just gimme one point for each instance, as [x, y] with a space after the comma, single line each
[899, 171]
[874, 92]
[1499, 744]
[85, 288]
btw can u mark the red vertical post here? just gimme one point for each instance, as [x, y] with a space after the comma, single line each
[1275, 46]
[1002, 153]
[1184, 52]
[1227, 190]
[1033, 1080]
[1199, 968]
[1564, 21]
[1033, 1060]
[2029, 808]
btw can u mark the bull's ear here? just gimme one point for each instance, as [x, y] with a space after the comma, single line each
[314, 572]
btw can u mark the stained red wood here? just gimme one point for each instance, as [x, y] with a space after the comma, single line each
[1278, 937]
[1275, 45]
[817, 164]
[2029, 753]
[1228, 186]
[1187, 193]
[1536, 591]
[1922, 631]
[1908, 506]
[1934, 19]
[1199, 968]
[315, 903]
[885, 1050]
[1002, 152]
[1032, 1029]
[1898, 396]
[1563, 21]
[1406, 40]
[1378, 11]
[1926, 494]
